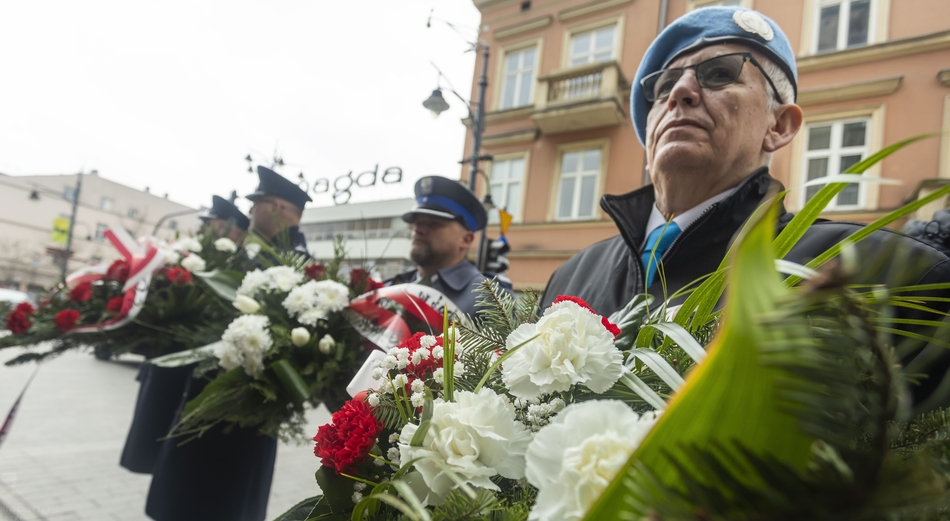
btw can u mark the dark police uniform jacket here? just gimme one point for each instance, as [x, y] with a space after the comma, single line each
[218, 476]
[608, 274]
[457, 282]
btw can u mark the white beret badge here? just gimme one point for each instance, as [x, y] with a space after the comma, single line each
[752, 22]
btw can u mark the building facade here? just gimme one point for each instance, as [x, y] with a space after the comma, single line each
[871, 72]
[30, 258]
[375, 236]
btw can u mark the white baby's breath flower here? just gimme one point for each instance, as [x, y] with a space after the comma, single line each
[225, 244]
[437, 352]
[377, 373]
[193, 263]
[253, 282]
[246, 305]
[476, 437]
[418, 399]
[575, 457]
[427, 341]
[326, 344]
[437, 375]
[357, 497]
[252, 249]
[400, 381]
[372, 400]
[299, 336]
[418, 386]
[393, 455]
[571, 346]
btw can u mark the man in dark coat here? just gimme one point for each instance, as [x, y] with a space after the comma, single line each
[227, 475]
[444, 221]
[161, 387]
[713, 98]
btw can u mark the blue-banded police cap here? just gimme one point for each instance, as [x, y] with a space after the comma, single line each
[272, 183]
[225, 210]
[448, 199]
[705, 27]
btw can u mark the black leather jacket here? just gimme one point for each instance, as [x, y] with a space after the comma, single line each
[608, 274]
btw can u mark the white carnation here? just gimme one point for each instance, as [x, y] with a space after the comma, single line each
[187, 244]
[252, 249]
[245, 343]
[476, 437]
[282, 278]
[572, 460]
[253, 282]
[572, 347]
[193, 263]
[172, 258]
[225, 244]
[311, 317]
[332, 295]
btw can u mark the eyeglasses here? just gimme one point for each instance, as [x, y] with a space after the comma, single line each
[712, 73]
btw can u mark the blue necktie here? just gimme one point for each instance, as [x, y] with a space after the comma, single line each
[656, 246]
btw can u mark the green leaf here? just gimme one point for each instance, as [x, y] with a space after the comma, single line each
[337, 490]
[291, 381]
[301, 511]
[223, 283]
[182, 358]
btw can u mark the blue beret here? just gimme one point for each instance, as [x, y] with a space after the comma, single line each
[225, 210]
[272, 183]
[704, 27]
[443, 197]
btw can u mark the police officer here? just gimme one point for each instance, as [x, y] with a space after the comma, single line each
[278, 208]
[444, 221]
[227, 475]
[160, 391]
[224, 219]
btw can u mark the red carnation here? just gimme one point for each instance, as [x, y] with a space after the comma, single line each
[18, 321]
[178, 276]
[361, 282]
[115, 304]
[26, 308]
[118, 271]
[314, 271]
[66, 319]
[580, 302]
[81, 293]
[346, 441]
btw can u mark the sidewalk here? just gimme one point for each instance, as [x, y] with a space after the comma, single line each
[61, 459]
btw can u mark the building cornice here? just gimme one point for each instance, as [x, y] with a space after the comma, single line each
[523, 27]
[605, 223]
[944, 77]
[525, 135]
[876, 52]
[591, 7]
[849, 91]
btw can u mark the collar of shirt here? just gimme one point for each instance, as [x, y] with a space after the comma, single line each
[456, 276]
[685, 219]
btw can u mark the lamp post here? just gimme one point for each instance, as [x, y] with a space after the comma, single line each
[437, 105]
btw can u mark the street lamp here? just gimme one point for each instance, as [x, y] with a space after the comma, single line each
[437, 105]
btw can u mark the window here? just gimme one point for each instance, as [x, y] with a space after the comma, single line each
[518, 82]
[105, 204]
[832, 147]
[101, 232]
[578, 187]
[133, 213]
[507, 180]
[842, 24]
[593, 46]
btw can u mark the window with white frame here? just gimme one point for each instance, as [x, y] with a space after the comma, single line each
[831, 147]
[579, 180]
[843, 24]
[518, 81]
[507, 182]
[597, 45]
[105, 204]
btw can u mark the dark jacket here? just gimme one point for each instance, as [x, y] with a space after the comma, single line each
[219, 475]
[608, 274]
[457, 282]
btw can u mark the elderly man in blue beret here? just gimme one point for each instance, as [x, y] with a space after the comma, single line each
[714, 98]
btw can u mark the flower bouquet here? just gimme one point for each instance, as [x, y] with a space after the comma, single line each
[787, 403]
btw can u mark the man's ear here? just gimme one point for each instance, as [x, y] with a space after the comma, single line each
[468, 238]
[788, 121]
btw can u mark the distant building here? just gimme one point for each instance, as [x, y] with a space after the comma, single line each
[30, 260]
[376, 237]
[557, 122]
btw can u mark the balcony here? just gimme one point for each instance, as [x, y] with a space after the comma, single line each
[579, 98]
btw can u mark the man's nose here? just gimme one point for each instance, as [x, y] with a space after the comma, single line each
[686, 91]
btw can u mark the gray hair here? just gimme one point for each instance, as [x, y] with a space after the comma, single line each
[781, 81]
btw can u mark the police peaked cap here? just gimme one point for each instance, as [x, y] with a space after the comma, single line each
[448, 199]
[272, 183]
[705, 27]
[223, 209]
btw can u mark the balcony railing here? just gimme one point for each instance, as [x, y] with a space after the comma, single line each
[587, 96]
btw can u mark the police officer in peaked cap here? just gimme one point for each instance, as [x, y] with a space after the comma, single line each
[225, 220]
[277, 210]
[444, 221]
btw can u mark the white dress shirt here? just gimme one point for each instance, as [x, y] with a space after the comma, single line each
[685, 219]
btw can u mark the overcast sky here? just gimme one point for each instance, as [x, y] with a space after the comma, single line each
[172, 95]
